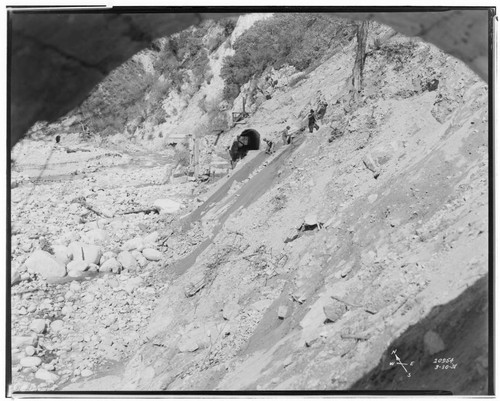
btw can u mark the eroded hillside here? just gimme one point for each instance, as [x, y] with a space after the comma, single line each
[305, 269]
[319, 311]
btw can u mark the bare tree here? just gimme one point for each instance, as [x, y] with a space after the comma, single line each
[357, 72]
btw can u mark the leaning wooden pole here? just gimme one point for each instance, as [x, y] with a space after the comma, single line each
[359, 63]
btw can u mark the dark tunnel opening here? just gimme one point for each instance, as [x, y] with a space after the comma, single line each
[253, 139]
[249, 139]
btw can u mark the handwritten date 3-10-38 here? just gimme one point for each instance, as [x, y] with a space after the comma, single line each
[444, 363]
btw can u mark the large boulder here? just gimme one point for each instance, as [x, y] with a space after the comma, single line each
[106, 256]
[45, 375]
[21, 341]
[56, 326]
[92, 254]
[380, 155]
[139, 257]
[110, 266]
[75, 249]
[77, 266]
[38, 326]
[311, 219]
[134, 243]
[30, 361]
[152, 254]
[75, 273]
[61, 253]
[127, 260]
[45, 265]
[167, 206]
[15, 277]
[150, 239]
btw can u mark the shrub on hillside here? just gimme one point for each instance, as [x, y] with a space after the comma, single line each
[217, 119]
[398, 52]
[201, 70]
[187, 52]
[231, 91]
[216, 38]
[377, 43]
[115, 100]
[129, 93]
[228, 24]
[159, 91]
[182, 156]
[299, 40]
[225, 28]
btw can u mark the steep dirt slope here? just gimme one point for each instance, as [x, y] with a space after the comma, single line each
[402, 202]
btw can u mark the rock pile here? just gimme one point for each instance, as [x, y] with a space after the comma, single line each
[77, 258]
[80, 307]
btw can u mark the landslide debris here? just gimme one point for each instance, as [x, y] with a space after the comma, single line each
[303, 272]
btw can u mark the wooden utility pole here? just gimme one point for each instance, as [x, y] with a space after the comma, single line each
[359, 63]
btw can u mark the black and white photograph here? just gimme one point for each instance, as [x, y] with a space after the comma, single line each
[250, 201]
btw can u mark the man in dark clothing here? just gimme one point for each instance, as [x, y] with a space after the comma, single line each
[311, 117]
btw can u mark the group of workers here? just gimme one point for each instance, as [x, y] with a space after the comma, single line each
[287, 136]
[238, 149]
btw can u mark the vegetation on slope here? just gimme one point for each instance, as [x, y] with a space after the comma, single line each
[130, 95]
[296, 39]
[180, 64]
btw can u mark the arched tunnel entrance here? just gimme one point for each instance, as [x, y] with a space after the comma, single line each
[249, 139]
[253, 139]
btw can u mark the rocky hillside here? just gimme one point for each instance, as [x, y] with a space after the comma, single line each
[300, 270]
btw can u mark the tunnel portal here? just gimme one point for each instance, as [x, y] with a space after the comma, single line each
[253, 139]
[249, 139]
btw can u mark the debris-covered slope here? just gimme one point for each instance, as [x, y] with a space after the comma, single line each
[300, 270]
[354, 241]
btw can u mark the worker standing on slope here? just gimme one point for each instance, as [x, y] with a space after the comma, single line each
[270, 149]
[285, 136]
[311, 117]
[321, 110]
